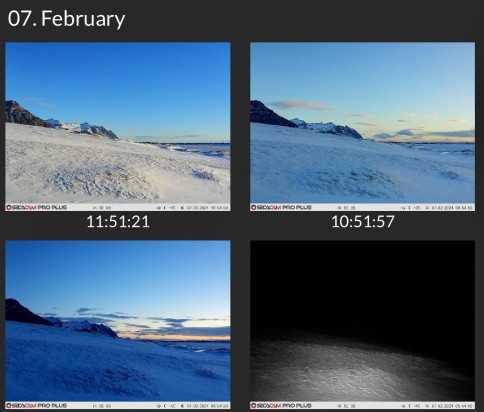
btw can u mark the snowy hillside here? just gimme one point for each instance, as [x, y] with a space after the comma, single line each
[300, 166]
[56, 166]
[44, 363]
[311, 367]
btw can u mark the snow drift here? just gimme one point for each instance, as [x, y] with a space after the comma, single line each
[45, 165]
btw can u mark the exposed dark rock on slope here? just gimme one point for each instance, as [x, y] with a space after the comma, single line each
[18, 313]
[259, 113]
[14, 113]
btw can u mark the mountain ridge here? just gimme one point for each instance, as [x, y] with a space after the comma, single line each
[15, 113]
[260, 113]
[330, 128]
[16, 312]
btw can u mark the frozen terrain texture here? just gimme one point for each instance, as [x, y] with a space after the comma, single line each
[327, 369]
[291, 165]
[45, 363]
[46, 165]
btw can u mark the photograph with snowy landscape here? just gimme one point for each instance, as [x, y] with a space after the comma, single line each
[362, 123]
[346, 324]
[117, 321]
[114, 123]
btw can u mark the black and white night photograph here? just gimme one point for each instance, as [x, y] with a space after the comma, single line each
[354, 321]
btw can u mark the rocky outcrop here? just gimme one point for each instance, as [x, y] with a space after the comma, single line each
[14, 113]
[18, 313]
[259, 113]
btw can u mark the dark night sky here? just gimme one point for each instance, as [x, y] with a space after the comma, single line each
[416, 295]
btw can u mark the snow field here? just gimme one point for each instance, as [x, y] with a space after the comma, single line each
[56, 166]
[301, 166]
[44, 363]
[330, 369]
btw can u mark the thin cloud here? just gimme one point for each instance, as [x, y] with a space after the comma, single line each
[48, 314]
[404, 121]
[39, 101]
[368, 124]
[409, 114]
[197, 331]
[358, 115]
[84, 310]
[300, 104]
[133, 325]
[210, 319]
[458, 133]
[115, 316]
[406, 132]
[457, 120]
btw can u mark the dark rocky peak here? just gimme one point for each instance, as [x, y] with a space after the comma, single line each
[14, 113]
[259, 113]
[18, 313]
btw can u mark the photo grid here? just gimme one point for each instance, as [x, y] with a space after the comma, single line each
[121, 122]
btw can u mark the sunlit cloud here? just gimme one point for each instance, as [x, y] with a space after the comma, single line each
[300, 104]
[457, 120]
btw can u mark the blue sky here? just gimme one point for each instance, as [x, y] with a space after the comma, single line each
[391, 91]
[177, 92]
[145, 289]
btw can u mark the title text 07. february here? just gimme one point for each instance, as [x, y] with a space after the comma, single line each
[22, 18]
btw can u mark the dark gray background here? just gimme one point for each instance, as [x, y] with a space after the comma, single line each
[242, 22]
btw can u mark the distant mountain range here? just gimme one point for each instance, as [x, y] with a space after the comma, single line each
[16, 312]
[82, 128]
[259, 113]
[15, 113]
[328, 128]
[83, 326]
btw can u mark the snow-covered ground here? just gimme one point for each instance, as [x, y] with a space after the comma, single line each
[328, 369]
[44, 363]
[291, 165]
[58, 166]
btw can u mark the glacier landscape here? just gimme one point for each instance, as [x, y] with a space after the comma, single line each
[48, 165]
[45, 363]
[297, 165]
